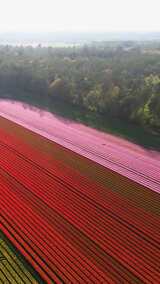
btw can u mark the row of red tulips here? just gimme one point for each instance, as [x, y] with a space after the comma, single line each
[70, 226]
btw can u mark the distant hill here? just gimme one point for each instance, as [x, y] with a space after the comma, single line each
[74, 38]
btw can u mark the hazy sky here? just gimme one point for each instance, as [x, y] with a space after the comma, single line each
[82, 15]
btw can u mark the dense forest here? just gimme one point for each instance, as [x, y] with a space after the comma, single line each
[113, 79]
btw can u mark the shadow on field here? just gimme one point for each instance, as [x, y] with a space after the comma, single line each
[129, 131]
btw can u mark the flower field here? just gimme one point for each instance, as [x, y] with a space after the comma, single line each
[12, 268]
[72, 219]
[131, 160]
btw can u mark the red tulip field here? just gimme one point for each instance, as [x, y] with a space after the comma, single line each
[74, 220]
[115, 153]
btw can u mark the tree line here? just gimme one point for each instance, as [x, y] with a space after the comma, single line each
[113, 79]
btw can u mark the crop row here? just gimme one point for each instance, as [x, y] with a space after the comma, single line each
[12, 269]
[73, 228]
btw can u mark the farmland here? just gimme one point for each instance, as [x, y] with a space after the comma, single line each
[73, 219]
[129, 159]
[12, 268]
